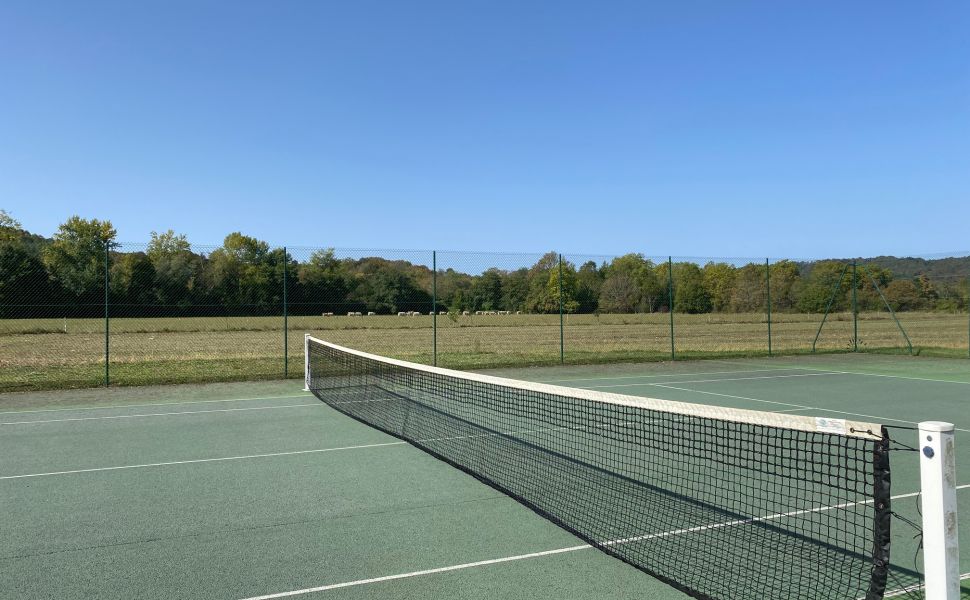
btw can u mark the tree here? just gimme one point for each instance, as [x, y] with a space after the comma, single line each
[24, 284]
[76, 256]
[386, 289]
[453, 289]
[323, 281]
[785, 278]
[166, 244]
[539, 275]
[927, 291]
[244, 272]
[515, 290]
[177, 268]
[749, 291]
[814, 294]
[619, 294]
[10, 228]
[132, 280]
[589, 285]
[486, 291]
[690, 295]
[719, 281]
[561, 280]
[642, 272]
[903, 294]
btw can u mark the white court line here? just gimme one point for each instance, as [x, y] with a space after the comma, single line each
[864, 374]
[602, 387]
[891, 376]
[205, 460]
[166, 414]
[798, 406]
[663, 375]
[201, 460]
[483, 563]
[42, 410]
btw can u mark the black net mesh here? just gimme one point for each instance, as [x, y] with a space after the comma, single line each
[719, 508]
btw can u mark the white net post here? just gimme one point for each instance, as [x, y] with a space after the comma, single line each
[306, 362]
[941, 554]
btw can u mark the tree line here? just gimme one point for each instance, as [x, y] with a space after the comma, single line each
[66, 275]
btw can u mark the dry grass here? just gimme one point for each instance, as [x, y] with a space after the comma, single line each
[51, 353]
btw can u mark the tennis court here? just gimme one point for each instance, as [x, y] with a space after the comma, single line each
[259, 490]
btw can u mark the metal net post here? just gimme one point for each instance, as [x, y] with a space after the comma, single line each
[941, 550]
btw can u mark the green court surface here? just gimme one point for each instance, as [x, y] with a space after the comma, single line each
[257, 490]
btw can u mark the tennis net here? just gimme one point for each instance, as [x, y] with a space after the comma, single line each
[717, 502]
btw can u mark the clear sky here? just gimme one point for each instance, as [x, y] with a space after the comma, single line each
[802, 129]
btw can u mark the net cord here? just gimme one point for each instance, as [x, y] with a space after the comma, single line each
[858, 429]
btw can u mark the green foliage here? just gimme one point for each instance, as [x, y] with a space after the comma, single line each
[486, 291]
[177, 269]
[750, 289]
[785, 277]
[690, 293]
[167, 244]
[245, 276]
[815, 293]
[23, 281]
[515, 290]
[563, 279]
[620, 294]
[650, 284]
[719, 282]
[589, 283]
[323, 282]
[903, 294]
[10, 228]
[539, 299]
[131, 278]
[76, 256]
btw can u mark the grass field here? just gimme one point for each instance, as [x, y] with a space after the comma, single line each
[61, 353]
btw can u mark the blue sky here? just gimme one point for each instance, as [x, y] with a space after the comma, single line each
[802, 129]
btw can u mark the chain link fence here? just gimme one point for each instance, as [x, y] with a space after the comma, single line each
[134, 314]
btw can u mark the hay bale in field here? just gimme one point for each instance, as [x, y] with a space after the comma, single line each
[371, 313]
[464, 313]
[401, 313]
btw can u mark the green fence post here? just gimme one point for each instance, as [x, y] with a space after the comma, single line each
[434, 308]
[968, 318]
[107, 320]
[562, 332]
[892, 313]
[768, 293]
[828, 306]
[670, 302]
[286, 325]
[855, 310]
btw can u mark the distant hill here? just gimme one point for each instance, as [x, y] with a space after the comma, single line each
[937, 269]
[949, 269]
